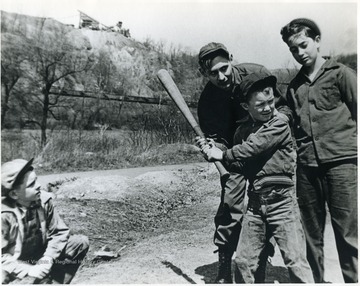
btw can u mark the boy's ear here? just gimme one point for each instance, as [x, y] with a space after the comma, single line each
[244, 105]
[202, 71]
[318, 39]
[13, 194]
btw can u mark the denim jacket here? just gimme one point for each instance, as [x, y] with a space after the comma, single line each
[325, 111]
[266, 151]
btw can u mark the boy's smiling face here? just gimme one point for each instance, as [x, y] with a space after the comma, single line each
[304, 49]
[261, 105]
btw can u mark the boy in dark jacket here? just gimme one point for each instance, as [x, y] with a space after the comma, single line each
[263, 151]
[323, 99]
[36, 247]
[218, 111]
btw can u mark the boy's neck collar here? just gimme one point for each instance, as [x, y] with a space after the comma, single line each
[314, 68]
[29, 205]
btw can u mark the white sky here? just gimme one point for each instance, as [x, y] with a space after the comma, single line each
[250, 29]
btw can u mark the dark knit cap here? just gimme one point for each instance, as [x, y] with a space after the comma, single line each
[307, 23]
[256, 80]
[211, 48]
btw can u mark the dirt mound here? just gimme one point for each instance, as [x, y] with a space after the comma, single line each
[158, 178]
[109, 187]
[115, 187]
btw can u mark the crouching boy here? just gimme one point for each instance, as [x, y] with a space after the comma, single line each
[36, 245]
[263, 146]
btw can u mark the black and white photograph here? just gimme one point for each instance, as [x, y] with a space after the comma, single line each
[179, 142]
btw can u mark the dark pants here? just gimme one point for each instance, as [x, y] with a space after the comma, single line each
[66, 266]
[336, 185]
[230, 212]
[276, 214]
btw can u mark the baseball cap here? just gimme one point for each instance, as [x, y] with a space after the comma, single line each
[12, 172]
[257, 79]
[211, 48]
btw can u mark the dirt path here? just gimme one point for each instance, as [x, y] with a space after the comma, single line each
[130, 172]
[175, 250]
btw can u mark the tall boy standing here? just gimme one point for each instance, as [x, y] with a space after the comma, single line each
[323, 98]
[35, 241]
[263, 144]
[218, 111]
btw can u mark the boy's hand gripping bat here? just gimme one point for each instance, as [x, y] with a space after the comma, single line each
[176, 96]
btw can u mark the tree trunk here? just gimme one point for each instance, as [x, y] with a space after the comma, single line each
[4, 107]
[44, 118]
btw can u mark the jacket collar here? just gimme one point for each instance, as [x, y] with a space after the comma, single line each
[328, 65]
[237, 78]
[245, 119]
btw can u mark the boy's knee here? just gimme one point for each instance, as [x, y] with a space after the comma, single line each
[76, 244]
[5, 277]
[83, 241]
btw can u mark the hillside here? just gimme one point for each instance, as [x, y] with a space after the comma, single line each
[44, 57]
[127, 54]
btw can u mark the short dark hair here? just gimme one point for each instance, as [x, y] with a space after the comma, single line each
[298, 25]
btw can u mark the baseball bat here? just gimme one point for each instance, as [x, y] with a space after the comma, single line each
[176, 96]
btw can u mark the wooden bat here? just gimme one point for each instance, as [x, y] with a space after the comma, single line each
[176, 96]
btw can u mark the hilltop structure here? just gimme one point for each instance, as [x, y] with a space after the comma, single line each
[87, 22]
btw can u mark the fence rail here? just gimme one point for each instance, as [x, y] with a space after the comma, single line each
[122, 98]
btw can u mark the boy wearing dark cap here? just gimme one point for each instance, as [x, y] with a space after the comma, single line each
[218, 111]
[263, 148]
[323, 99]
[36, 247]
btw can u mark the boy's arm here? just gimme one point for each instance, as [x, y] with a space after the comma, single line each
[268, 137]
[58, 231]
[348, 89]
[9, 257]
[58, 235]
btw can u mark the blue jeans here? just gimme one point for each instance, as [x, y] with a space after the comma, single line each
[274, 213]
[336, 185]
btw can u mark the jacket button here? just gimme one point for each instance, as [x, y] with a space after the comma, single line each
[316, 138]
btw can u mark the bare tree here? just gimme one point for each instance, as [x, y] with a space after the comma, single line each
[54, 59]
[12, 57]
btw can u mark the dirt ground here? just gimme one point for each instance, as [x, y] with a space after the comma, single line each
[159, 220]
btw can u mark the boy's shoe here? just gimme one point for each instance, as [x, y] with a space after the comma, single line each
[224, 271]
[46, 280]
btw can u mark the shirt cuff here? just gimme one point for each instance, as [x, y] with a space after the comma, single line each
[228, 156]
